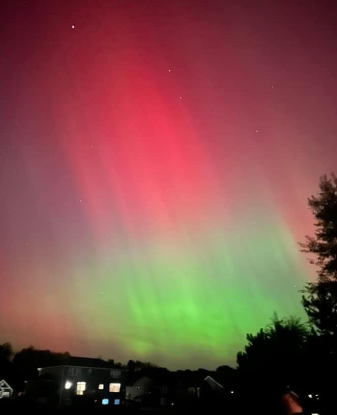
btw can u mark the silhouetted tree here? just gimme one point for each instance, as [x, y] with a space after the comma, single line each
[320, 298]
[131, 366]
[323, 245]
[115, 365]
[227, 376]
[320, 303]
[276, 356]
[6, 366]
[136, 365]
[27, 361]
[6, 351]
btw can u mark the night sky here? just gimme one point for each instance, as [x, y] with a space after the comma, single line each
[155, 163]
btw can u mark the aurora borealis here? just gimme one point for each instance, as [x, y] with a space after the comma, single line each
[155, 163]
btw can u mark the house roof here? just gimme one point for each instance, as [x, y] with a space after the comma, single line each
[213, 383]
[85, 362]
[4, 386]
[142, 380]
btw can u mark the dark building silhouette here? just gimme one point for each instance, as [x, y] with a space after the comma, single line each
[78, 377]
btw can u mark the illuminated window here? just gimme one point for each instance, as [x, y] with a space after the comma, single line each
[105, 401]
[68, 385]
[101, 386]
[80, 388]
[117, 401]
[114, 387]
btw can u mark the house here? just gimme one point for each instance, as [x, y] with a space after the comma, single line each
[5, 390]
[152, 387]
[139, 388]
[91, 378]
[213, 384]
[196, 389]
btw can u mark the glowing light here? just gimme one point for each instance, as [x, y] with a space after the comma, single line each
[80, 388]
[68, 385]
[114, 387]
[105, 401]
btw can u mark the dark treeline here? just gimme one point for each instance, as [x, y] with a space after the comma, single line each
[286, 353]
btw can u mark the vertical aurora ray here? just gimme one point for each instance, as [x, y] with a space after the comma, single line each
[155, 168]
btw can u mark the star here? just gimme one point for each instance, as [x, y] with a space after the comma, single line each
[180, 97]
[169, 70]
[256, 131]
[80, 200]
[73, 26]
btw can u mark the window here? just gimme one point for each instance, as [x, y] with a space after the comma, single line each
[74, 371]
[90, 371]
[163, 401]
[105, 401]
[115, 374]
[191, 390]
[101, 386]
[80, 388]
[117, 401]
[68, 385]
[114, 387]
[164, 389]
